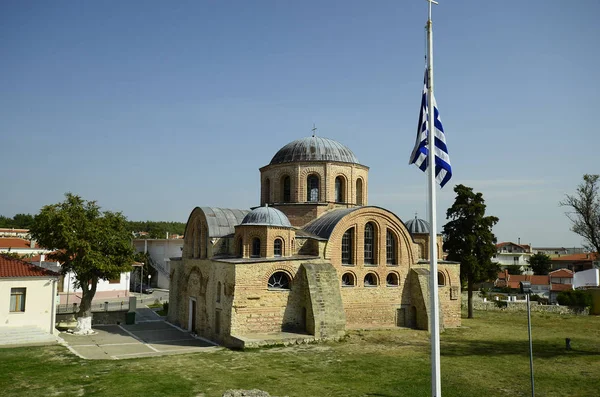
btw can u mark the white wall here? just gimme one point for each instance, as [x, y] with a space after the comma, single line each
[160, 250]
[39, 303]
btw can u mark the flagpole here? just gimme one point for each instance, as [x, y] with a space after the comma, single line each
[436, 385]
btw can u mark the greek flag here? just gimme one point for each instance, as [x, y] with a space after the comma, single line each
[420, 154]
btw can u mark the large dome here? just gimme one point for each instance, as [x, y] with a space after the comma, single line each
[266, 216]
[417, 226]
[314, 148]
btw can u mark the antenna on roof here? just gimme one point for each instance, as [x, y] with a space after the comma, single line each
[314, 129]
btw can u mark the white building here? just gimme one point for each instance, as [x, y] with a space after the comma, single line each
[161, 251]
[107, 289]
[21, 246]
[27, 302]
[511, 254]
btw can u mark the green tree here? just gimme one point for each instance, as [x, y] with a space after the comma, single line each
[468, 239]
[540, 263]
[585, 214]
[93, 244]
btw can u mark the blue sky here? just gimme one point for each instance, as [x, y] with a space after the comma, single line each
[152, 108]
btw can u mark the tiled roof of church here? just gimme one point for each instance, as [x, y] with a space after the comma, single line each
[314, 148]
[324, 225]
[222, 221]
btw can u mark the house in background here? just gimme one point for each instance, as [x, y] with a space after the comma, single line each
[554, 252]
[11, 232]
[160, 251]
[21, 246]
[27, 302]
[68, 293]
[511, 254]
[560, 280]
[575, 262]
[540, 285]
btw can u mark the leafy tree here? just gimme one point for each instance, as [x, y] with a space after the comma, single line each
[585, 217]
[540, 263]
[468, 239]
[95, 245]
[576, 299]
[19, 221]
[514, 270]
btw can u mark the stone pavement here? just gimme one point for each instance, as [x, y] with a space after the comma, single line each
[144, 339]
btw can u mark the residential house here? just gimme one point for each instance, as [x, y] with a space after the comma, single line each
[27, 302]
[554, 252]
[540, 285]
[511, 254]
[560, 280]
[69, 293]
[21, 246]
[11, 232]
[575, 262]
[160, 251]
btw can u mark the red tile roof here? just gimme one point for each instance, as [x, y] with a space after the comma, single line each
[14, 243]
[526, 247]
[577, 257]
[565, 273]
[513, 281]
[10, 267]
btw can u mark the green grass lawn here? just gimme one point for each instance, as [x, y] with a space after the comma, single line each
[487, 357]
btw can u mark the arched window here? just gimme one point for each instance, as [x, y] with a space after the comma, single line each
[390, 248]
[339, 189]
[441, 279]
[312, 188]
[392, 280]
[255, 247]
[369, 244]
[347, 244]
[279, 280]
[218, 292]
[286, 189]
[359, 192]
[277, 247]
[240, 248]
[370, 280]
[267, 198]
[348, 280]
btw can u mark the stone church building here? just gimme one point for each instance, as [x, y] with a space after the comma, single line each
[313, 259]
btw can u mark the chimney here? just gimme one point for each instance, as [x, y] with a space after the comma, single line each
[167, 235]
[519, 240]
[32, 243]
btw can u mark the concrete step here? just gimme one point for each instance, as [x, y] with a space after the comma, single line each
[25, 335]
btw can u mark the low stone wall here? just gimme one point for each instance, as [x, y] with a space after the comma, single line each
[522, 307]
[98, 318]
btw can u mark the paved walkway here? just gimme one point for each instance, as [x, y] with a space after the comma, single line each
[150, 336]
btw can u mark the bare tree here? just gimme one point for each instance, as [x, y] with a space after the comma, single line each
[585, 214]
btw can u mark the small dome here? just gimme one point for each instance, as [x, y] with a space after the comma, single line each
[417, 226]
[266, 216]
[314, 148]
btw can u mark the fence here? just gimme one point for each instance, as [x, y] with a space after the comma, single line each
[97, 307]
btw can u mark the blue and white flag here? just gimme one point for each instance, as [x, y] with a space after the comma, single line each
[420, 154]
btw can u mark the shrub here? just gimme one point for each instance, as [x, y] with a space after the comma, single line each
[501, 304]
[166, 307]
[575, 299]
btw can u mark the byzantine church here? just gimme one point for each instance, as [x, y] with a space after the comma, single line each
[313, 259]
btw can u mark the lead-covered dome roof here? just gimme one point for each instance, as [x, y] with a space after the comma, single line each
[266, 216]
[417, 226]
[314, 148]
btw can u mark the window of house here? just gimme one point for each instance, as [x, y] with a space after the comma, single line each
[339, 189]
[369, 244]
[441, 279]
[17, 299]
[286, 189]
[279, 280]
[347, 244]
[255, 247]
[390, 248]
[392, 280]
[277, 247]
[348, 280]
[370, 280]
[359, 192]
[312, 188]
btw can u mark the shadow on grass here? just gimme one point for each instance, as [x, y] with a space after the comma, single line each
[541, 349]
